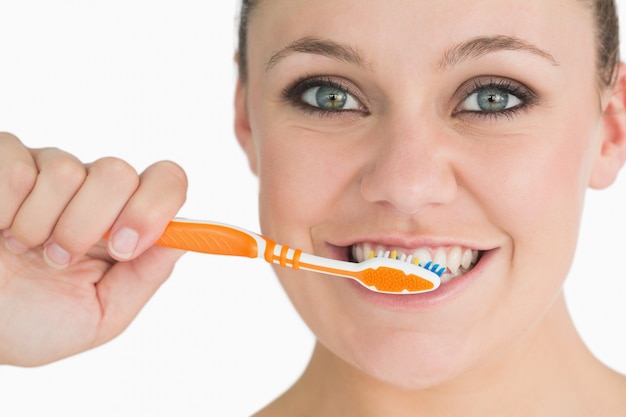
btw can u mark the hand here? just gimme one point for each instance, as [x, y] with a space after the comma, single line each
[63, 288]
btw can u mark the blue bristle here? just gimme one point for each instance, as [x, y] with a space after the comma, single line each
[434, 268]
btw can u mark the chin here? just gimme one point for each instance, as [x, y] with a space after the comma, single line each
[409, 361]
[418, 376]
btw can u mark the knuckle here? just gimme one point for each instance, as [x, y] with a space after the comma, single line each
[114, 168]
[9, 137]
[145, 214]
[67, 171]
[176, 172]
[16, 182]
[70, 238]
[174, 179]
[29, 233]
[20, 178]
[151, 216]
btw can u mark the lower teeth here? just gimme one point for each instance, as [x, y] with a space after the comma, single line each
[449, 276]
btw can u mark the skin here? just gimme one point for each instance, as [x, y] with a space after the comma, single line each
[422, 173]
[54, 262]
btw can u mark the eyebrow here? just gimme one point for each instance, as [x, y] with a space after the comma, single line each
[483, 45]
[471, 49]
[318, 46]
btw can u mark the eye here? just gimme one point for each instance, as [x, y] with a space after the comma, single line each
[328, 97]
[493, 97]
[324, 96]
[490, 100]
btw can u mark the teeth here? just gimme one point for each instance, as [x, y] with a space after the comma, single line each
[441, 258]
[456, 260]
[423, 255]
[357, 252]
[468, 258]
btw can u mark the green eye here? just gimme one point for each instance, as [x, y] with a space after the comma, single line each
[490, 100]
[330, 98]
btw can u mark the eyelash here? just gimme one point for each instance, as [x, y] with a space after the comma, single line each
[514, 88]
[294, 92]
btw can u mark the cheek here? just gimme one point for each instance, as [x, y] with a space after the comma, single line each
[301, 178]
[535, 188]
[534, 193]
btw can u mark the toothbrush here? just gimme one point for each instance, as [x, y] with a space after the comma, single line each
[379, 274]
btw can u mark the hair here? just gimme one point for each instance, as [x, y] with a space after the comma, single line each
[607, 39]
[606, 25]
[242, 49]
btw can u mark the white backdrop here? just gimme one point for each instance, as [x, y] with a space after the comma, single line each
[147, 80]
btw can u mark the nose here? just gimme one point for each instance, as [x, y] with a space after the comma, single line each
[410, 168]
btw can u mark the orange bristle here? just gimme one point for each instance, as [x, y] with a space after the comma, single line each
[393, 280]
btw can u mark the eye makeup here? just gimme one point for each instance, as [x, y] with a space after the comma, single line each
[492, 97]
[486, 97]
[325, 96]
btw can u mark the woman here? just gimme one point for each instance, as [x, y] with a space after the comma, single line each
[373, 126]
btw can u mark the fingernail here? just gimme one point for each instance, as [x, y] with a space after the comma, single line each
[123, 243]
[15, 246]
[56, 256]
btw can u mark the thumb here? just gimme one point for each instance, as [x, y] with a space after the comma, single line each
[128, 286]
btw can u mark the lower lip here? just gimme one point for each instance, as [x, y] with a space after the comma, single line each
[425, 301]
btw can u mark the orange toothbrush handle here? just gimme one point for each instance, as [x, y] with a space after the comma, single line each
[212, 238]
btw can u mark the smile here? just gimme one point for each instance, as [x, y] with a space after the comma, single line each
[454, 260]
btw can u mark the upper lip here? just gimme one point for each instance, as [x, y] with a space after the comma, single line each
[335, 239]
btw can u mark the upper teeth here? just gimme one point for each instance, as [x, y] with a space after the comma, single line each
[452, 258]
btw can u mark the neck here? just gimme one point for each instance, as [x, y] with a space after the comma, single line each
[549, 373]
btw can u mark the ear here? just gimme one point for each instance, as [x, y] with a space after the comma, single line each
[243, 131]
[612, 151]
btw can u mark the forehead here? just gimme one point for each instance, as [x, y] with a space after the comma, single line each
[419, 28]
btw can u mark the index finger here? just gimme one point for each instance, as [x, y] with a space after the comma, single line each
[18, 174]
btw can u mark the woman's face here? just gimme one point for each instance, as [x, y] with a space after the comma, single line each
[463, 130]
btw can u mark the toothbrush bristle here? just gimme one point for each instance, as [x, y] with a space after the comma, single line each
[436, 268]
[392, 280]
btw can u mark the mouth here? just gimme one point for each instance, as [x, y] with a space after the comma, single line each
[453, 261]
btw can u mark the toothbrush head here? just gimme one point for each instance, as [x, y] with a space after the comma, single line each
[391, 276]
[378, 274]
